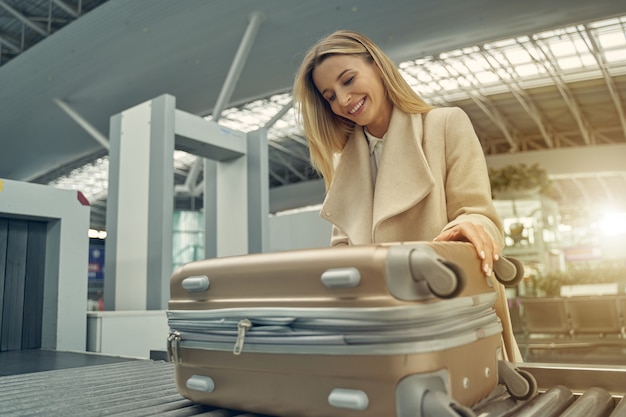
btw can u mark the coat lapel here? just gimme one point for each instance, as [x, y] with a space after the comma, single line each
[404, 177]
[348, 203]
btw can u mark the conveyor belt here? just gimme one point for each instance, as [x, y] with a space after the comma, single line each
[147, 388]
[564, 391]
[136, 388]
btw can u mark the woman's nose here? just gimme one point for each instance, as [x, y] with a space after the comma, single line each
[344, 98]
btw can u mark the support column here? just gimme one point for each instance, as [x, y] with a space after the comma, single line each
[210, 208]
[258, 192]
[232, 207]
[140, 206]
[140, 202]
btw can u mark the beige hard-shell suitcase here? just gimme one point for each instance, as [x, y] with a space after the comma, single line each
[380, 330]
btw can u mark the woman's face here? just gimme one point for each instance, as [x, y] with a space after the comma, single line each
[354, 89]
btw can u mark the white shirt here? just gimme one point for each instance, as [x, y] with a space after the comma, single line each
[376, 150]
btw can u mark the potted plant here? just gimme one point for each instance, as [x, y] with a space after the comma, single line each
[604, 272]
[520, 180]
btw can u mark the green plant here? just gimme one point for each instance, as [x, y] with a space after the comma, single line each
[605, 272]
[519, 177]
[549, 285]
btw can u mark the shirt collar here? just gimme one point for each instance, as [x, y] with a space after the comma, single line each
[373, 140]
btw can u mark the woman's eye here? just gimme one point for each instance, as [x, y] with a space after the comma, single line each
[348, 81]
[331, 98]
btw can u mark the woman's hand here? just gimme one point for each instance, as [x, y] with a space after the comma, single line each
[486, 248]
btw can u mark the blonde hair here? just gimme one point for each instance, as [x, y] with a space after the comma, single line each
[326, 132]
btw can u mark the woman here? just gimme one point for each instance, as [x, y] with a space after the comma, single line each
[395, 168]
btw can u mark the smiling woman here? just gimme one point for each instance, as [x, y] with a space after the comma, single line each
[396, 168]
[352, 88]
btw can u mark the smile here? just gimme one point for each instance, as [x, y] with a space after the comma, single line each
[357, 107]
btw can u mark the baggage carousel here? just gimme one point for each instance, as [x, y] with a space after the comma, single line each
[146, 388]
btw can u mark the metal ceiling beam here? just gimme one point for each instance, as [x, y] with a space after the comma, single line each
[298, 139]
[225, 95]
[531, 109]
[191, 177]
[277, 177]
[550, 64]
[279, 115]
[287, 165]
[481, 101]
[288, 151]
[245, 46]
[93, 132]
[595, 50]
[496, 117]
[236, 67]
[19, 16]
[10, 44]
[520, 95]
[66, 8]
[582, 190]
[607, 191]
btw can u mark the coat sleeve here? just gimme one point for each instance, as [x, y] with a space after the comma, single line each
[468, 192]
[468, 195]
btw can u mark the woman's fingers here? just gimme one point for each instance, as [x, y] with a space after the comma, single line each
[486, 248]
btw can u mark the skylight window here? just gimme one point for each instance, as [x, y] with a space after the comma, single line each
[517, 56]
[612, 40]
[530, 70]
[479, 70]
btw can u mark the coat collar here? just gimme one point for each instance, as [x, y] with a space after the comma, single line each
[403, 179]
[348, 203]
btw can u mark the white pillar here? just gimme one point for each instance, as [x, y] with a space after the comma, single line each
[140, 206]
[138, 261]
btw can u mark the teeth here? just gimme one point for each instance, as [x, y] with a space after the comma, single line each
[357, 107]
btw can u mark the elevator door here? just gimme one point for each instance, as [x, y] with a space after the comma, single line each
[22, 267]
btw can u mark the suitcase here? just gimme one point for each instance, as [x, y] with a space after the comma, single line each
[379, 330]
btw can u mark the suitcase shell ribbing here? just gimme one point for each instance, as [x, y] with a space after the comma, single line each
[357, 284]
[294, 278]
[300, 385]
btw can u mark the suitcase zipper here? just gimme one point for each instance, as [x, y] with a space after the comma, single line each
[173, 343]
[304, 329]
[242, 327]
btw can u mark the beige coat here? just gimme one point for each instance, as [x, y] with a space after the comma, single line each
[432, 175]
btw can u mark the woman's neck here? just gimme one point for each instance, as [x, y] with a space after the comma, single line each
[379, 127]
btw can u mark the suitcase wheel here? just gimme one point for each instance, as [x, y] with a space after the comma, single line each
[508, 271]
[438, 403]
[520, 384]
[462, 411]
[443, 278]
[453, 285]
[532, 382]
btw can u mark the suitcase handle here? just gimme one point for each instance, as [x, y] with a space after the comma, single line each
[428, 274]
[444, 279]
[508, 271]
[196, 283]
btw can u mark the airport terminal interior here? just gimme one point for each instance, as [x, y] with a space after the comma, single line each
[138, 137]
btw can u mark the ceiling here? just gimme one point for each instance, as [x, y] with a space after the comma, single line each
[67, 66]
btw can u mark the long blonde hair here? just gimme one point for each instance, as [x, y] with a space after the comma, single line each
[326, 132]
